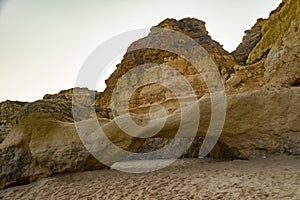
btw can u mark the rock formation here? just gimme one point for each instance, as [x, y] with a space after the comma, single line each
[194, 29]
[7, 110]
[262, 118]
[282, 63]
[44, 141]
[275, 28]
[250, 40]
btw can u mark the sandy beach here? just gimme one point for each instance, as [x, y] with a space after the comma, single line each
[269, 178]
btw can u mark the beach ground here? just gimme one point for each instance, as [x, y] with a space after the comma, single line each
[264, 178]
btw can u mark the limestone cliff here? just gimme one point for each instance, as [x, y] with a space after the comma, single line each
[193, 28]
[262, 116]
[275, 28]
[283, 62]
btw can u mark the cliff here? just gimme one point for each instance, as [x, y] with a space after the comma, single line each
[194, 29]
[261, 80]
[275, 28]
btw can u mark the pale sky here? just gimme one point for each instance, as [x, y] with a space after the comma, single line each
[43, 43]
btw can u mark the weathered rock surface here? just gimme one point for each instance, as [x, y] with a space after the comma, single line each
[5, 128]
[274, 28]
[258, 123]
[220, 150]
[283, 62]
[260, 120]
[44, 141]
[7, 110]
[250, 40]
[194, 29]
[263, 122]
[89, 95]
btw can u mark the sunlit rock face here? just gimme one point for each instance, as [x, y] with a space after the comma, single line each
[274, 29]
[149, 94]
[283, 62]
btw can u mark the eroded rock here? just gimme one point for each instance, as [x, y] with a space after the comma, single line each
[283, 61]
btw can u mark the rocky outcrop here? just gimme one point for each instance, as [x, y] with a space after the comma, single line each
[44, 141]
[5, 128]
[250, 40]
[274, 29]
[89, 95]
[194, 29]
[261, 120]
[258, 123]
[7, 110]
[283, 62]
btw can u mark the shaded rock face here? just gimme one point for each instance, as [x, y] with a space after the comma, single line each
[153, 144]
[252, 37]
[5, 128]
[7, 110]
[220, 151]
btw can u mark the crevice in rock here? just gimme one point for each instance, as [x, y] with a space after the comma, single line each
[296, 83]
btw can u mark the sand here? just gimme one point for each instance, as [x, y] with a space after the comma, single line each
[270, 178]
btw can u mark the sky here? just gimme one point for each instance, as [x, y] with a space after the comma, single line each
[44, 43]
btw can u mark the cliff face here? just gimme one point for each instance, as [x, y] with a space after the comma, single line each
[283, 62]
[151, 94]
[250, 40]
[262, 117]
[269, 53]
[7, 110]
[274, 29]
